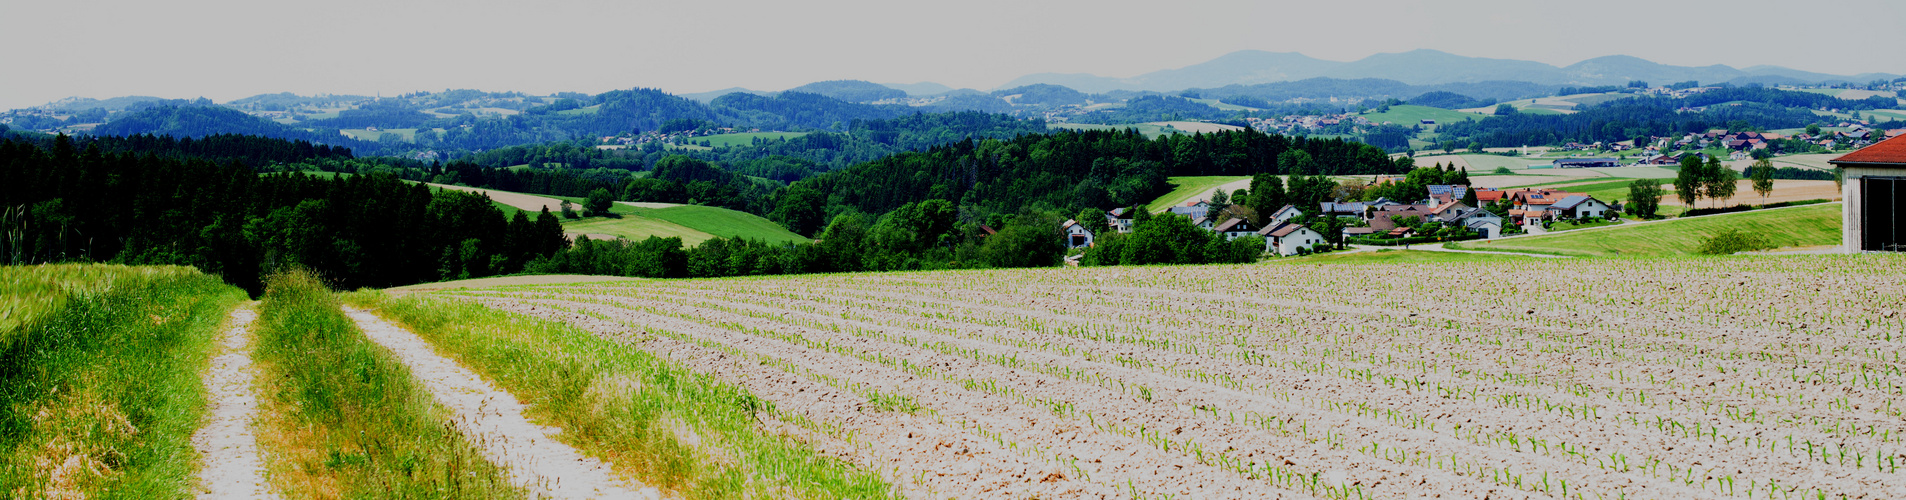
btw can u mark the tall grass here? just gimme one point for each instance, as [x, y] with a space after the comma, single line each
[683, 432]
[99, 378]
[344, 418]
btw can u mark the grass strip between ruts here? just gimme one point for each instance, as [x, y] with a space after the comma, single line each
[341, 417]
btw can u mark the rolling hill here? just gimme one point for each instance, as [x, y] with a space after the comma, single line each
[1424, 67]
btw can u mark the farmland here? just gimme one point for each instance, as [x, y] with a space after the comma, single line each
[1682, 378]
[718, 222]
[1407, 115]
[1185, 189]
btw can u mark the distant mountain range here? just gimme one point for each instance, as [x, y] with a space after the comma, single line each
[1429, 67]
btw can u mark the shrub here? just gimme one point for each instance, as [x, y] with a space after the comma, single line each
[1732, 241]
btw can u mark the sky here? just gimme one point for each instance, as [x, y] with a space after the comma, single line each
[226, 49]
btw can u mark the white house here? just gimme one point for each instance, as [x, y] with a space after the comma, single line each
[1284, 239]
[1120, 219]
[1580, 207]
[1285, 214]
[1481, 221]
[1235, 228]
[1077, 236]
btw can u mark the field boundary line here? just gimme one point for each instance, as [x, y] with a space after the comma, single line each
[495, 423]
[227, 443]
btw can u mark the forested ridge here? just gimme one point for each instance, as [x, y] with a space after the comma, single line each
[68, 204]
[787, 159]
[1066, 171]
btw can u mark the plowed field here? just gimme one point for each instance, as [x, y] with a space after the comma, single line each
[1682, 378]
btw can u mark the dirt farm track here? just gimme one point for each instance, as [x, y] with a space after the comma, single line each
[1755, 377]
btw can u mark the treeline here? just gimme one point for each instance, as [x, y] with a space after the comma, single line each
[785, 160]
[1621, 120]
[925, 235]
[1064, 172]
[567, 182]
[360, 230]
[222, 148]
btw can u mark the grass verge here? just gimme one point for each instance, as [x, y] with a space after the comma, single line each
[674, 429]
[343, 418]
[99, 378]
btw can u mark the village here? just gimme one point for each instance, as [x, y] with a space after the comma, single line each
[1450, 213]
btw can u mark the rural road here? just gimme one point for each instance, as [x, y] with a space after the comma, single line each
[232, 467]
[493, 421]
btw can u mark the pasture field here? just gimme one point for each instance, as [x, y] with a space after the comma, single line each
[1769, 377]
[1804, 226]
[99, 378]
[1220, 105]
[1408, 114]
[635, 228]
[1892, 114]
[718, 222]
[1189, 188]
[746, 138]
[407, 134]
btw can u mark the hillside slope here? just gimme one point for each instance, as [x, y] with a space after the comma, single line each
[1812, 225]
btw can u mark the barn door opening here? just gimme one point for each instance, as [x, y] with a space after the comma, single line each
[1881, 211]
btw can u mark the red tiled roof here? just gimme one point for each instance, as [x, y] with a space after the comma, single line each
[1888, 151]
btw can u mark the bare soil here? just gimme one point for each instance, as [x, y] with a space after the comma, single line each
[528, 202]
[1629, 378]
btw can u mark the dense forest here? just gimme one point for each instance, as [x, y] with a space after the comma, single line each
[787, 159]
[1064, 172]
[1622, 120]
[221, 148]
[373, 230]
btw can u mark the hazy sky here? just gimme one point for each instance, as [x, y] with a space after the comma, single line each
[229, 49]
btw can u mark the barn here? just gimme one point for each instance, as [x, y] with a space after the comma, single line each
[1875, 193]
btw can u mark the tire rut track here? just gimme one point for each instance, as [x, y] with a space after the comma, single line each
[493, 419]
[231, 466]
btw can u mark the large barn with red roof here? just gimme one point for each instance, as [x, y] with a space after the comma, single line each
[1875, 192]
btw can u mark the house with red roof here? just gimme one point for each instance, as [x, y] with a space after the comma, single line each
[1874, 213]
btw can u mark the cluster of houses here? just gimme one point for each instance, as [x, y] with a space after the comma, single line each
[1294, 123]
[1282, 236]
[1380, 217]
